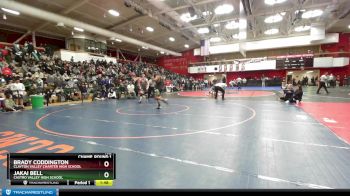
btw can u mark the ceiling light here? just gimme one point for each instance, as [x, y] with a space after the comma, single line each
[302, 28]
[242, 23]
[203, 30]
[144, 47]
[171, 39]
[224, 9]
[242, 35]
[118, 40]
[274, 19]
[4, 16]
[216, 24]
[232, 25]
[60, 24]
[161, 52]
[271, 31]
[235, 36]
[10, 11]
[349, 26]
[312, 14]
[187, 17]
[113, 13]
[297, 12]
[207, 13]
[78, 29]
[273, 2]
[215, 39]
[187, 46]
[150, 29]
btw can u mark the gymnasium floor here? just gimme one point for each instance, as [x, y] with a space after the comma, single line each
[250, 140]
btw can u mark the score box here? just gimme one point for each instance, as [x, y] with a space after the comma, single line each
[51, 169]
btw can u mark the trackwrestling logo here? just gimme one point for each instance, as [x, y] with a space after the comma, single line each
[31, 192]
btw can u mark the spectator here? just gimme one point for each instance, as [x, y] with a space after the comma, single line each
[10, 105]
[244, 82]
[131, 90]
[18, 92]
[298, 95]
[323, 81]
[263, 80]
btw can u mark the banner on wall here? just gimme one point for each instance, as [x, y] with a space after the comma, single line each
[264, 64]
[237, 66]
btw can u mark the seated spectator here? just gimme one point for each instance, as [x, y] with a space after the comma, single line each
[131, 90]
[288, 93]
[298, 95]
[112, 94]
[10, 105]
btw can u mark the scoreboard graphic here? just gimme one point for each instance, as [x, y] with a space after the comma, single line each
[294, 61]
[85, 169]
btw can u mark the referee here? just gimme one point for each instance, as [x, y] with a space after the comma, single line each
[220, 87]
[323, 80]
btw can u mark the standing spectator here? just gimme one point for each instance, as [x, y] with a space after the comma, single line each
[206, 83]
[19, 92]
[345, 81]
[338, 81]
[244, 82]
[263, 80]
[239, 83]
[224, 80]
[331, 81]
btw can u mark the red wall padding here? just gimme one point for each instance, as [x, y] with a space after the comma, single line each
[342, 46]
[179, 64]
[337, 71]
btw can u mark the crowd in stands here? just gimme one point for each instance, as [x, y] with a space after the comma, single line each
[25, 71]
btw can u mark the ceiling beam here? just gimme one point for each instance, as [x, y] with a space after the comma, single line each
[84, 14]
[125, 22]
[289, 9]
[186, 6]
[74, 6]
[345, 12]
[161, 19]
[53, 17]
[22, 29]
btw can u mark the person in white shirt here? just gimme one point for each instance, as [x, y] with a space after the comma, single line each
[323, 81]
[263, 81]
[11, 86]
[239, 83]
[232, 83]
[220, 87]
[131, 90]
[244, 81]
[18, 92]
